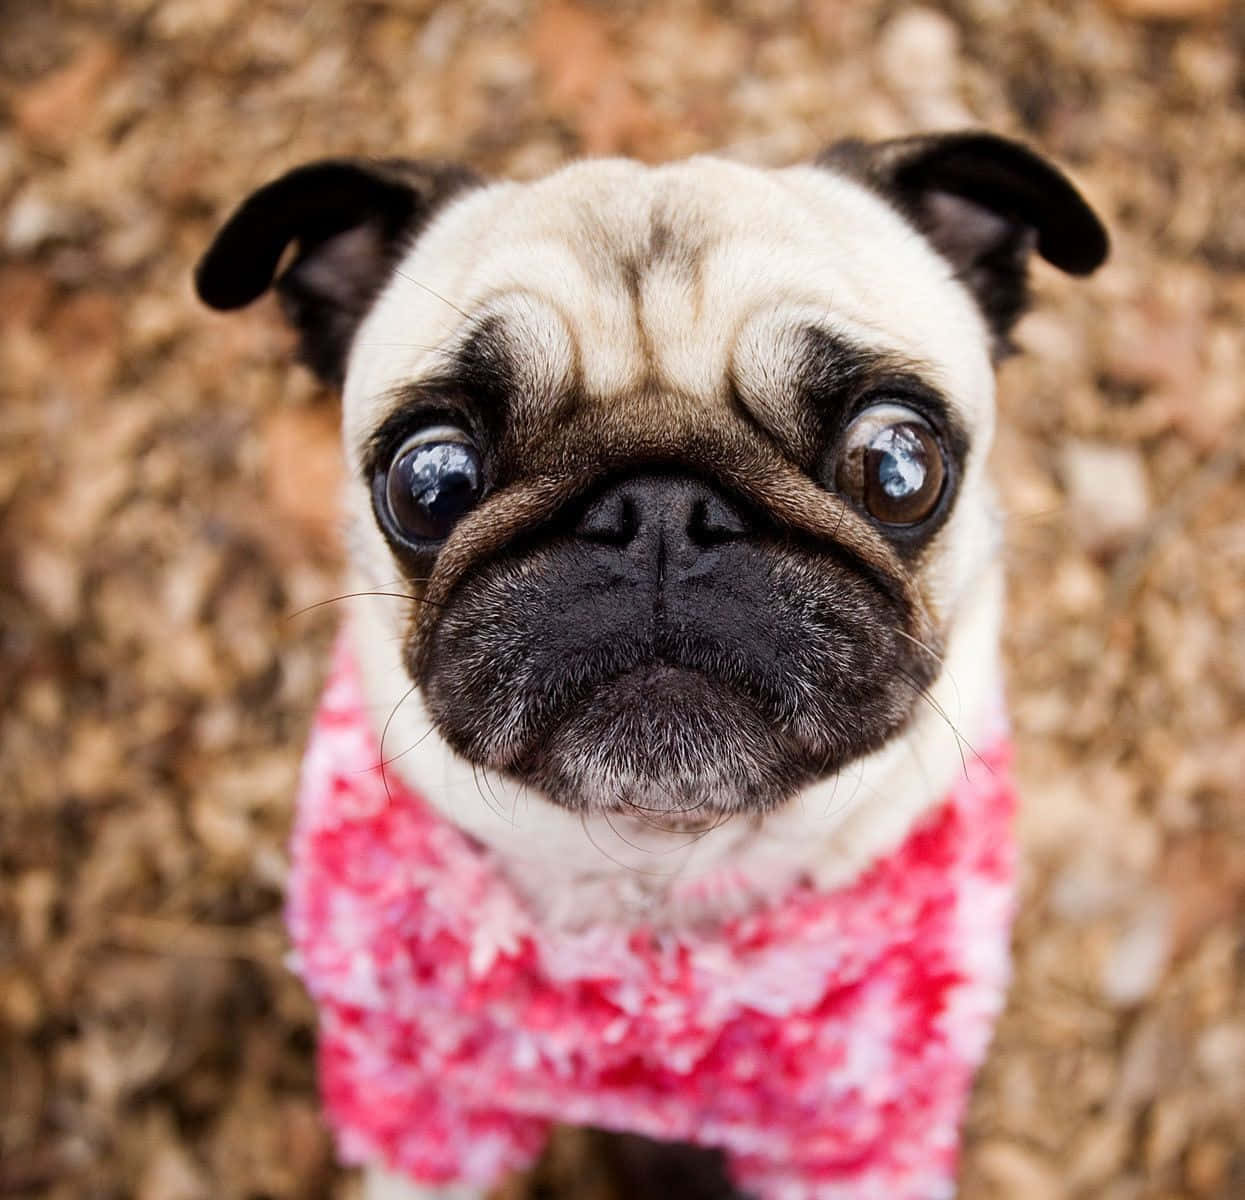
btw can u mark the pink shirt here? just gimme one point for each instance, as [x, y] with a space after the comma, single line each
[826, 1041]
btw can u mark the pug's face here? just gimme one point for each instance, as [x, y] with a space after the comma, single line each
[680, 466]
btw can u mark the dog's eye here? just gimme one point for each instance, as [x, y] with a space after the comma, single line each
[433, 481]
[891, 464]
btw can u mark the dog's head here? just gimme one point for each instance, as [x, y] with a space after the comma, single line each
[681, 466]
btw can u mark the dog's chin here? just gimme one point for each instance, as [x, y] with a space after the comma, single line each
[666, 743]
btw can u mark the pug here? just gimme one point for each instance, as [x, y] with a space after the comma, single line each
[660, 786]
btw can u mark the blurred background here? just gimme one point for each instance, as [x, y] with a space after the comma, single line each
[166, 509]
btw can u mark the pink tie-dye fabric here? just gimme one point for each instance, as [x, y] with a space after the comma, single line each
[826, 1041]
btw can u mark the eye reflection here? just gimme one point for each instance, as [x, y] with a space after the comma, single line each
[433, 481]
[891, 465]
[902, 464]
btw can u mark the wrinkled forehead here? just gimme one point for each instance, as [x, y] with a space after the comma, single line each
[697, 279]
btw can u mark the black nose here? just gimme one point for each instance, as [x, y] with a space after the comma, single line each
[660, 525]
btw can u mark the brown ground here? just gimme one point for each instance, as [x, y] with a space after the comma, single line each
[165, 491]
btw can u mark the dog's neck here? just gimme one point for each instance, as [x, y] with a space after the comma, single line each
[576, 870]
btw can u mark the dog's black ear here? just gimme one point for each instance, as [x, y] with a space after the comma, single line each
[350, 222]
[985, 203]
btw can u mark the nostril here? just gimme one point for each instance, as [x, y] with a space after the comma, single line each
[712, 521]
[612, 521]
[629, 521]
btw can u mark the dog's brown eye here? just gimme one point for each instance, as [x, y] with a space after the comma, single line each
[433, 481]
[891, 464]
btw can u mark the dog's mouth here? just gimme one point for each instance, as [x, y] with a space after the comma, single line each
[686, 709]
[665, 740]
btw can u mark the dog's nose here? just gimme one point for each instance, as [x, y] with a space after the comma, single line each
[659, 525]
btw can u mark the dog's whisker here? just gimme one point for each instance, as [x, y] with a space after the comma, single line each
[938, 658]
[724, 819]
[419, 741]
[448, 353]
[625, 840]
[645, 815]
[432, 292]
[960, 740]
[393, 712]
[653, 816]
[910, 743]
[491, 805]
[355, 595]
[922, 693]
[496, 801]
[831, 805]
[583, 821]
[1032, 518]
[676, 809]
[692, 835]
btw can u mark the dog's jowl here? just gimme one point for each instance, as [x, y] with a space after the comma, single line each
[660, 784]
